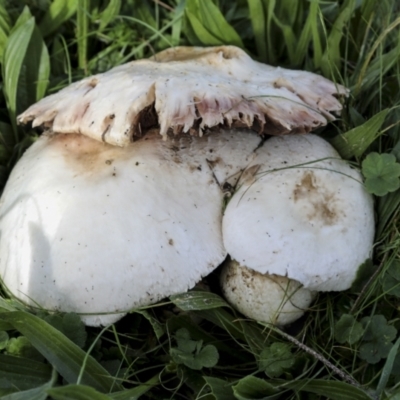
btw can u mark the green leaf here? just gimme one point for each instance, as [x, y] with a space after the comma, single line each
[347, 329]
[76, 392]
[257, 17]
[20, 346]
[13, 57]
[364, 273]
[82, 33]
[66, 357]
[387, 369]
[331, 58]
[70, 325]
[21, 373]
[378, 337]
[208, 356]
[158, 328]
[209, 24]
[331, 389]
[252, 388]
[391, 279]
[183, 341]
[220, 388]
[192, 353]
[382, 173]
[276, 359]
[198, 301]
[356, 141]
[38, 393]
[3, 339]
[109, 13]
[136, 392]
[59, 12]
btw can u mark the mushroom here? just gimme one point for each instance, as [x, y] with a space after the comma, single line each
[300, 221]
[119, 203]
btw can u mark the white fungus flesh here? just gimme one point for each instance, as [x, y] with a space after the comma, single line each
[189, 89]
[269, 298]
[300, 212]
[96, 229]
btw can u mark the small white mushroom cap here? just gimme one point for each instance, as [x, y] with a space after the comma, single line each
[189, 89]
[301, 212]
[96, 229]
[268, 298]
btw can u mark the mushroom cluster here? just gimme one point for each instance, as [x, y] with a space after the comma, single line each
[120, 202]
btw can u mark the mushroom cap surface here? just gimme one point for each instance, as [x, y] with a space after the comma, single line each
[189, 89]
[301, 212]
[96, 229]
[267, 298]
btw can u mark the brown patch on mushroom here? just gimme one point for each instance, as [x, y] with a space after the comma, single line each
[323, 202]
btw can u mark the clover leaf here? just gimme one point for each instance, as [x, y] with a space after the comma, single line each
[276, 359]
[378, 338]
[391, 279]
[381, 172]
[192, 353]
[348, 330]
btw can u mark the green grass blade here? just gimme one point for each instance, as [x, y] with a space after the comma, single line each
[334, 390]
[13, 57]
[59, 12]
[76, 392]
[38, 393]
[23, 373]
[177, 26]
[82, 33]
[109, 13]
[209, 25]
[257, 17]
[307, 34]
[198, 301]
[136, 392]
[251, 387]
[331, 58]
[65, 356]
[357, 140]
[387, 369]
[220, 388]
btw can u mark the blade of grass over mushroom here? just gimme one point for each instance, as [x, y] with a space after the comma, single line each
[356, 141]
[59, 12]
[66, 357]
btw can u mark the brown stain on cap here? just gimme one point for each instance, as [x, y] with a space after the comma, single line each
[322, 201]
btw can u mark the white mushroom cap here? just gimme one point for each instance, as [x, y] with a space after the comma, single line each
[188, 89]
[98, 229]
[268, 298]
[301, 212]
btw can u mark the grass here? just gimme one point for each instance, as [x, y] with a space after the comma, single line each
[194, 346]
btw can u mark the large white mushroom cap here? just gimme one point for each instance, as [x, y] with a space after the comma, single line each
[97, 229]
[301, 212]
[189, 89]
